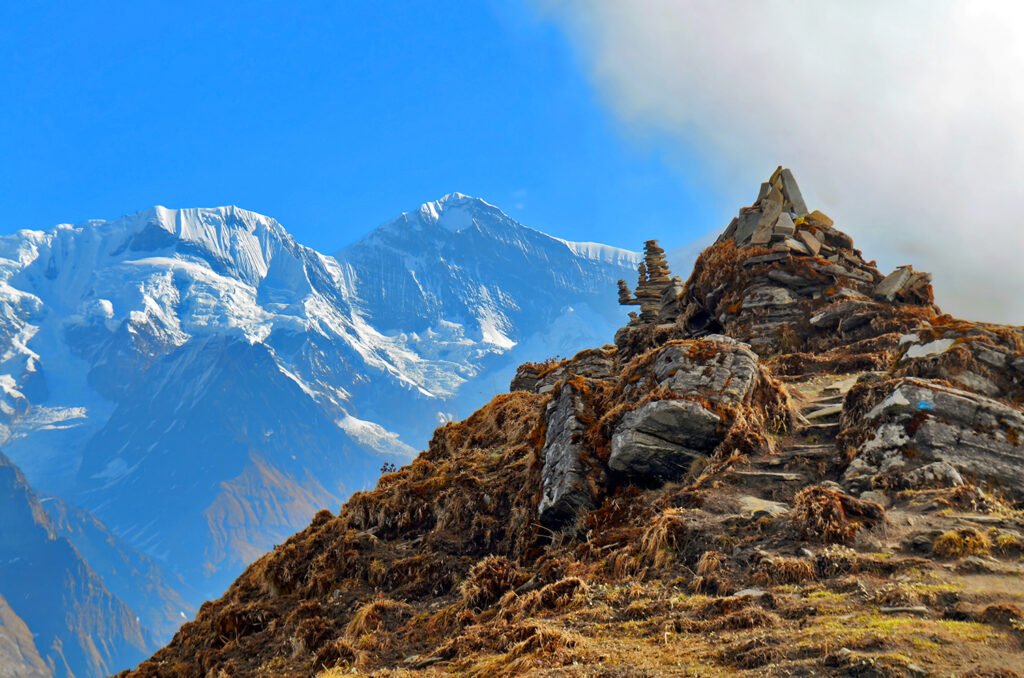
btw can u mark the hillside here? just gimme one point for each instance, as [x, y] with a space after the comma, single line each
[791, 464]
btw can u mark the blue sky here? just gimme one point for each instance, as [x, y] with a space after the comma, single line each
[332, 119]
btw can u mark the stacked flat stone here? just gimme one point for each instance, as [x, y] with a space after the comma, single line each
[905, 284]
[668, 311]
[800, 274]
[656, 289]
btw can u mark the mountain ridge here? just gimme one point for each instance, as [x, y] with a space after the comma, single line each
[790, 464]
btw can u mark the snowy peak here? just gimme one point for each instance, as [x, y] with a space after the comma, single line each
[456, 212]
[455, 216]
[453, 213]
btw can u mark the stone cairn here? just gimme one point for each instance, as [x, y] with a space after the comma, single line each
[779, 220]
[656, 289]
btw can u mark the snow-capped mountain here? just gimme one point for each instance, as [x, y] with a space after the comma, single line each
[474, 292]
[203, 383]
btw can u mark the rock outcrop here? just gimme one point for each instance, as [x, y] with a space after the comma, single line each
[783, 466]
[568, 464]
[919, 433]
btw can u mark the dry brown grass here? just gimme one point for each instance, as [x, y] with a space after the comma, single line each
[380, 615]
[782, 570]
[826, 515]
[961, 543]
[489, 579]
[660, 541]
[558, 596]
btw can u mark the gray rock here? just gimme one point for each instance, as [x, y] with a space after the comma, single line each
[935, 475]
[840, 271]
[784, 225]
[792, 192]
[977, 382]
[750, 593]
[766, 258]
[594, 363]
[990, 355]
[716, 367]
[893, 283]
[788, 279]
[796, 246]
[751, 505]
[768, 296]
[878, 497]
[771, 208]
[762, 236]
[808, 239]
[669, 309]
[931, 433]
[746, 224]
[662, 438]
[565, 469]
[851, 313]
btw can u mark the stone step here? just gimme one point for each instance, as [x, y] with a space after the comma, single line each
[829, 411]
[810, 447]
[831, 400]
[822, 425]
[770, 475]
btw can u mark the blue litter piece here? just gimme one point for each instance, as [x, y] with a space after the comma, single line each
[925, 405]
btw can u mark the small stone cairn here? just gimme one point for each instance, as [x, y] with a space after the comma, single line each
[657, 290]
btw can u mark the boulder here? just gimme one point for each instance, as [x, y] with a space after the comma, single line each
[931, 434]
[565, 461]
[717, 368]
[594, 363]
[662, 438]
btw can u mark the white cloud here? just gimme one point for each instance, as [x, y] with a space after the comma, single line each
[902, 120]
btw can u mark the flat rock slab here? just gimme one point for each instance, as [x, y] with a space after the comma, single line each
[755, 505]
[824, 412]
[662, 438]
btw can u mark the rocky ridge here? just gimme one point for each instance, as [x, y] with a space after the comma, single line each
[790, 464]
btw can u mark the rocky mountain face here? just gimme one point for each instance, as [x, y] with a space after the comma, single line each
[789, 464]
[195, 384]
[58, 617]
[462, 283]
[19, 657]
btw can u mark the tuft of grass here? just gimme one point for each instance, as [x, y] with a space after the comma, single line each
[784, 571]
[489, 579]
[830, 516]
[961, 543]
[383, 614]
